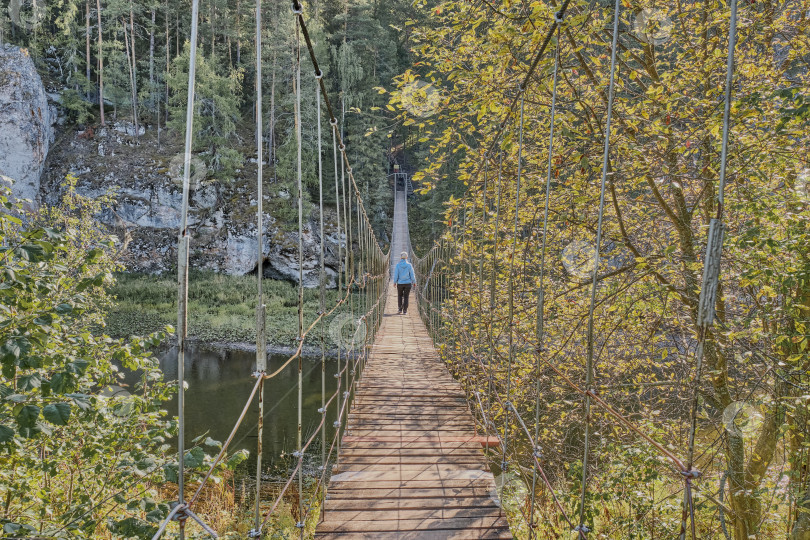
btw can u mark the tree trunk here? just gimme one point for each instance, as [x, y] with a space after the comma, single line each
[213, 36]
[131, 81]
[100, 65]
[800, 454]
[801, 530]
[87, 45]
[271, 151]
[134, 74]
[166, 16]
[152, 55]
[168, 61]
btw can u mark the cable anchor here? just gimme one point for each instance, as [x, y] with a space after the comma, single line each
[180, 515]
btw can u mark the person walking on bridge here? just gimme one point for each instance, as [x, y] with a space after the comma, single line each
[403, 278]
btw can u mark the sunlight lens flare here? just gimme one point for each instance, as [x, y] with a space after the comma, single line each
[420, 99]
[579, 259]
[742, 419]
[803, 185]
[27, 14]
[346, 331]
[119, 399]
[198, 171]
[652, 26]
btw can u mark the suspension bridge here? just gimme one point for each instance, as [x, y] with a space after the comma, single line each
[410, 453]
[411, 464]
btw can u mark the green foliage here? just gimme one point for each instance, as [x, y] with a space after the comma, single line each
[70, 453]
[81, 451]
[221, 308]
[78, 109]
[661, 195]
[216, 110]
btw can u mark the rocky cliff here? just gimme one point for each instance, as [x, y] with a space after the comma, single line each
[26, 122]
[143, 179]
[142, 176]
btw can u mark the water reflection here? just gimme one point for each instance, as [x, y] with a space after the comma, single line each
[219, 382]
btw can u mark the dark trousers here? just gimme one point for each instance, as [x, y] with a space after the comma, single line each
[403, 292]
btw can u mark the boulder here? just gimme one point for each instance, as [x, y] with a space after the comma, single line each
[281, 261]
[240, 254]
[26, 122]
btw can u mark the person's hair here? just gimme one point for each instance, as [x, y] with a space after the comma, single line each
[403, 255]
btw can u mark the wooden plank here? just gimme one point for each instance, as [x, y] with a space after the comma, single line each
[419, 535]
[377, 515]
[459, 461]
[474, 452]
[411, 503]
[356, 492]
[373, 524]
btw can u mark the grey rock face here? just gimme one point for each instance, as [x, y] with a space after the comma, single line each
[145, 214]
[26, 122]
[145, 208]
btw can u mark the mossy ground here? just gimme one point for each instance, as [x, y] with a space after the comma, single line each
[221, 308]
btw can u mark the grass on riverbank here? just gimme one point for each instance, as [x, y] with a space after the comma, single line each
[221, 308]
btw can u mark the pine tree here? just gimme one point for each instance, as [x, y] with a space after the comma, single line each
[216, 110]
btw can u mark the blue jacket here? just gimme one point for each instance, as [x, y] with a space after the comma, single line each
[403, 273]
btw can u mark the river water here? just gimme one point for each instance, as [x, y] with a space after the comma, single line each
[219, 383]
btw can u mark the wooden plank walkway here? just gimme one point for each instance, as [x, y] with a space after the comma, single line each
[411, 465]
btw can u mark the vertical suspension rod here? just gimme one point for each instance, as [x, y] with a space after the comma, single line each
[540, 291]
[511, 295]
[300, 523]
[261, 314]
[589, 374]
[182, 267]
